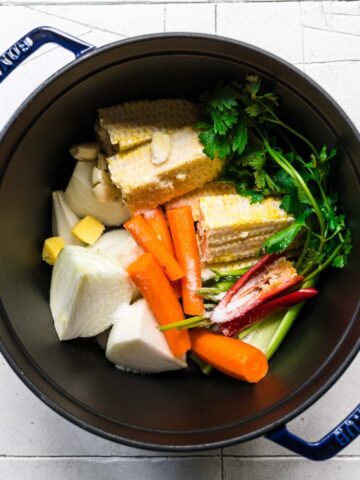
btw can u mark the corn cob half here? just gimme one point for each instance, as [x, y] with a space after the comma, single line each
[232, 228]
[133, 123]
[144, 184]
[192, 198]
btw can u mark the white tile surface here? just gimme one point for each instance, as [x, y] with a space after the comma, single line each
[123, 19]
[322, 38]
[325, 46]
[273, 26]
[294, 469]
[197, 18]
[110, 468]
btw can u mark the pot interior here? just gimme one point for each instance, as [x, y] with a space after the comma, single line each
[184, 408]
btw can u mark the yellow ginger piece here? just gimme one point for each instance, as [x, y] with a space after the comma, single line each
[52, 248]
[231, 228]
[146, 185]
[88, 230]
[192, 198]
[133, 123]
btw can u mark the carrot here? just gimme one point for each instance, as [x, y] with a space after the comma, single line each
[156, 219]
[148, 276]
[187, 254]
[148, 240]
[157, 222]
[229, 355]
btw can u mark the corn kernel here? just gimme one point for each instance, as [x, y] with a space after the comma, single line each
[52, 248]
[88, 230]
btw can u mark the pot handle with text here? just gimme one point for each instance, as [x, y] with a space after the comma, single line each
[328, 446]
[38, 37]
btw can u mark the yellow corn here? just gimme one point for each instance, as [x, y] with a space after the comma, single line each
[132, 123]
[144, 184]
[192, 198]
[232, 228]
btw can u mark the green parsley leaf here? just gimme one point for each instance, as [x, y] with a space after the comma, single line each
[260, 179]
[214, 144]
[239, 136]
[223, 121]
[341, 259]
[281, 240]
[255, 195]
[223, 97]
[252, 86]
[255, 109]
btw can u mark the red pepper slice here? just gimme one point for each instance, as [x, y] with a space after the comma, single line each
[270, 276]
[264, 310]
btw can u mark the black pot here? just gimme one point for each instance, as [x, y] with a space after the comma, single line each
[185, 411]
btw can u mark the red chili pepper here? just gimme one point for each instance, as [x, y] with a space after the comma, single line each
[265, 310]
[270, 276]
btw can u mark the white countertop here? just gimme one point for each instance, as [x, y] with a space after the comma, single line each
[320, 38]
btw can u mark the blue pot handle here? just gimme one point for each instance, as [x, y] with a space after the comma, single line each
[28, 44]
[328, 446]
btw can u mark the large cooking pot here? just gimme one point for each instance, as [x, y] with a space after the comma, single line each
[183, 411]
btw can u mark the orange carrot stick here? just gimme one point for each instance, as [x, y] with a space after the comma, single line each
[147, 239]
[156, 219]
[187, 254]
[229, 355]
[148, 276]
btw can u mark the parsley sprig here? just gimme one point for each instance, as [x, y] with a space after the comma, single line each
[266, 156]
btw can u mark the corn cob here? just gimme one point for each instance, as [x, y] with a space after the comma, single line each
[132, 123]
[192, 198]
[146, 185]
[232, 228]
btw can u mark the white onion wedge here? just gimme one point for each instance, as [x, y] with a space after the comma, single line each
[86, 289]
[119, 245]
[136, 343]
[82, 200]
[63, 219]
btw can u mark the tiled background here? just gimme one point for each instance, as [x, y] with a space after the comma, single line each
[320, 38]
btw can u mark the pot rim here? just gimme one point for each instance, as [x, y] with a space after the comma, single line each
[16, 344]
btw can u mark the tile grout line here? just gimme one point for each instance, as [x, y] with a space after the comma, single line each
[164, 457]
[92, 27]
[156, 2]
[222, 471]
[331, 31]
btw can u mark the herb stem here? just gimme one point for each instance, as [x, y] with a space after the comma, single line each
[277, 121]
[325, 264]
[304, 250]
[182, 323]
[285, 165]
[325, 198]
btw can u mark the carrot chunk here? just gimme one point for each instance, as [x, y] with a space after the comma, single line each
[157, 222]
[148, 240]
[148, 276]
[229, 355]
[187, 254]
